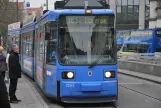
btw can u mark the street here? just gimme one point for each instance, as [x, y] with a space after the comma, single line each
[133, 93]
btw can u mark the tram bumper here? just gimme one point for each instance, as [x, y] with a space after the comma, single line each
[88, 92]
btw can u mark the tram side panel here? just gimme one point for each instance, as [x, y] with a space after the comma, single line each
[51, 65]
[39, 57]
[27, 53]
[45, 65]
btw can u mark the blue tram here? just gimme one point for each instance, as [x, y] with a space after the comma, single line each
[121, 37]
[143, 41]
[72, 55]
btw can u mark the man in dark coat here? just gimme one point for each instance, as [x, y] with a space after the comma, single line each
[14, 73]
[4, 102]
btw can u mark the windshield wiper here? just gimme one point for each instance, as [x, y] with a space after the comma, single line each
[95, 62]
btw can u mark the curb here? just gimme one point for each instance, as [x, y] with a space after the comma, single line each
[151, 78]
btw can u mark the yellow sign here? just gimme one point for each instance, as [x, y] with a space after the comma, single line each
[86, 20]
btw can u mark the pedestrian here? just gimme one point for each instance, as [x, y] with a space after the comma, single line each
[14, 73]
[4, 102]
[3, 64]
[7, 57]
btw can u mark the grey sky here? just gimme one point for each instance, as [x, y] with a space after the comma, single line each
[38, 3]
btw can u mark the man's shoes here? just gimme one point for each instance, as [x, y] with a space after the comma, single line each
[18, 100]
[13, 101]
[15, 98]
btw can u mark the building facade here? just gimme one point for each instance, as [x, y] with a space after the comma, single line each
[155, 14]
[131, 14]
[30, 13]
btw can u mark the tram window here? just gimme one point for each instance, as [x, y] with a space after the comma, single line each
[41, 43]
[51, 29]
[158, 33]
[158, 50]
[27, 43]
[30, 44]
[24, 48]
[30, 49]
[41, 51]
[138, 48]
[51, 53]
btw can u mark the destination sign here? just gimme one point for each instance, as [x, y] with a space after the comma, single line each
[87, 20]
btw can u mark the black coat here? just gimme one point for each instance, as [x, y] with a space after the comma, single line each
[14, 65]
[4, 102]
[3, 64]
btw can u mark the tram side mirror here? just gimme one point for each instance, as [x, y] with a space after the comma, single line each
[47, 36]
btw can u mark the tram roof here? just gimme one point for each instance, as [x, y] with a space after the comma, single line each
[14, 31]
[54, 14]
[28, 27]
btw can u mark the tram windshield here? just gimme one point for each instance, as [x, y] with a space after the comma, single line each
[136, 48]
[83, 39]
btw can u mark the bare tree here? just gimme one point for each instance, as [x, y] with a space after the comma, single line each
[3, 6]
[7, 16]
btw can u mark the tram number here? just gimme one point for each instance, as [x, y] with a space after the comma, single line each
[111, 84]
[69, 85]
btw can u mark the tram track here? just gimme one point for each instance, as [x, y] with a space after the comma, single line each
[158, 99]
[55, 104]
[99, 105]
[115, 106]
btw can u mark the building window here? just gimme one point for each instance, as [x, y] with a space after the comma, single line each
[124, 2]
[127, 11]
[118, 2]
[136, 2]
[124, 9]
[130, 17]
[136, 9]
[147, 13]
[118, 9]
[130, 2]
[136, 17]
[130, 9]
[147, 2]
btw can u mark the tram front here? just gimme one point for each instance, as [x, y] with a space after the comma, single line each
[87, 59]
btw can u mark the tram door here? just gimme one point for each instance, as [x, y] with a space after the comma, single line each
[40, 53]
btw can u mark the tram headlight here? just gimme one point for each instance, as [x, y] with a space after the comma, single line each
[68, 75]
[109, 74]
